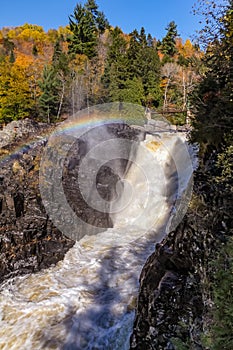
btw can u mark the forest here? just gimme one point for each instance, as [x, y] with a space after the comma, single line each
[50, 75]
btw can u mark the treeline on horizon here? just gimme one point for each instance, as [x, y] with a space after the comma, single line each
[50, 75]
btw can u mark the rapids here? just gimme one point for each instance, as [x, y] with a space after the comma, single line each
[87, 300]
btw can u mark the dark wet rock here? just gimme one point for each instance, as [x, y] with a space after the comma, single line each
[28, 239]
[173, 301]
[170, 300]
[105, 179]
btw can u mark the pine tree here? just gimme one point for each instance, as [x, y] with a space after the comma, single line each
[134, 55]
[151, 74]
[133, 91]
[168, 45]
[143, 63]
[115, 74]
[12, 57]
[49, 99]
[60, 62]
[86, 24]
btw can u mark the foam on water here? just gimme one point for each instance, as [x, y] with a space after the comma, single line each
[87, 300]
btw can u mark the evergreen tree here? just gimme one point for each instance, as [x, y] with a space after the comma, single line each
[134, 55]
[132, 67]
[151, 74]
[168, 45]
[12, 57]
[144, 63]
[54, 83]
[213, 98]
[115, 74]
[49, 99]
[133, 91]
[86, 24]
[34, 50]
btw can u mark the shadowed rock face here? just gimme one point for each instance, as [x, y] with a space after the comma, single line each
[170, 305]
[28, 239]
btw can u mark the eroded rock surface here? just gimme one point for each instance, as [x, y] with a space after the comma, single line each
[28, 239]
[169, 302]
[174, 303]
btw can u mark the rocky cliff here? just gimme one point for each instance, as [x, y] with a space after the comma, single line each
[175, 305]
[173, 298]
[28, 239]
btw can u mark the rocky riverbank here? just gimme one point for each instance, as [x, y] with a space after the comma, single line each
[28, 239]
[173, 298]
[175, 304]
[170, 303]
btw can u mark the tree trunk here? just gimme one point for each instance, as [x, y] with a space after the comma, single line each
[62, 98]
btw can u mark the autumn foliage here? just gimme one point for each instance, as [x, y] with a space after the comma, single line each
[49, 75]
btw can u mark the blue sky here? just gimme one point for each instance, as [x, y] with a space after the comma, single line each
[154, 15]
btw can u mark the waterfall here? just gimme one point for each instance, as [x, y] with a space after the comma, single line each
[87, 300]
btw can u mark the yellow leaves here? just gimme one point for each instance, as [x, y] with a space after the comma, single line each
[12, 34]
[163, 83]
[33, 27]
[15, 90]
[78, 63]
[27, 32]
[65, 31]
[188, 49]
[31, 34]
[179, 44]
[23, 61]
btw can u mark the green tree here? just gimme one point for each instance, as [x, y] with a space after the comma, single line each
[151, 74]
[49, 99]
[60, 61]
[116, 73]
[213, 121]
[54, 85]
[86, 24]
[168, 44]
[143, 62]
[213, 98]
[133, 91]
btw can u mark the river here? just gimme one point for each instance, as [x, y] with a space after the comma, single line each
[87, 301]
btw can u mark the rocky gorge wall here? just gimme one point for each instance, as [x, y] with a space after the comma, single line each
[171, 302]
[28, 239]
[175, 305]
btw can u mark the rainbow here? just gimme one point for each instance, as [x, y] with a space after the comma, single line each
[75, 125]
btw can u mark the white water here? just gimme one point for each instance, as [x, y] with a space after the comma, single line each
[87, 300]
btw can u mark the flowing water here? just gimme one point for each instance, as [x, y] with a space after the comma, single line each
[87, 301]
